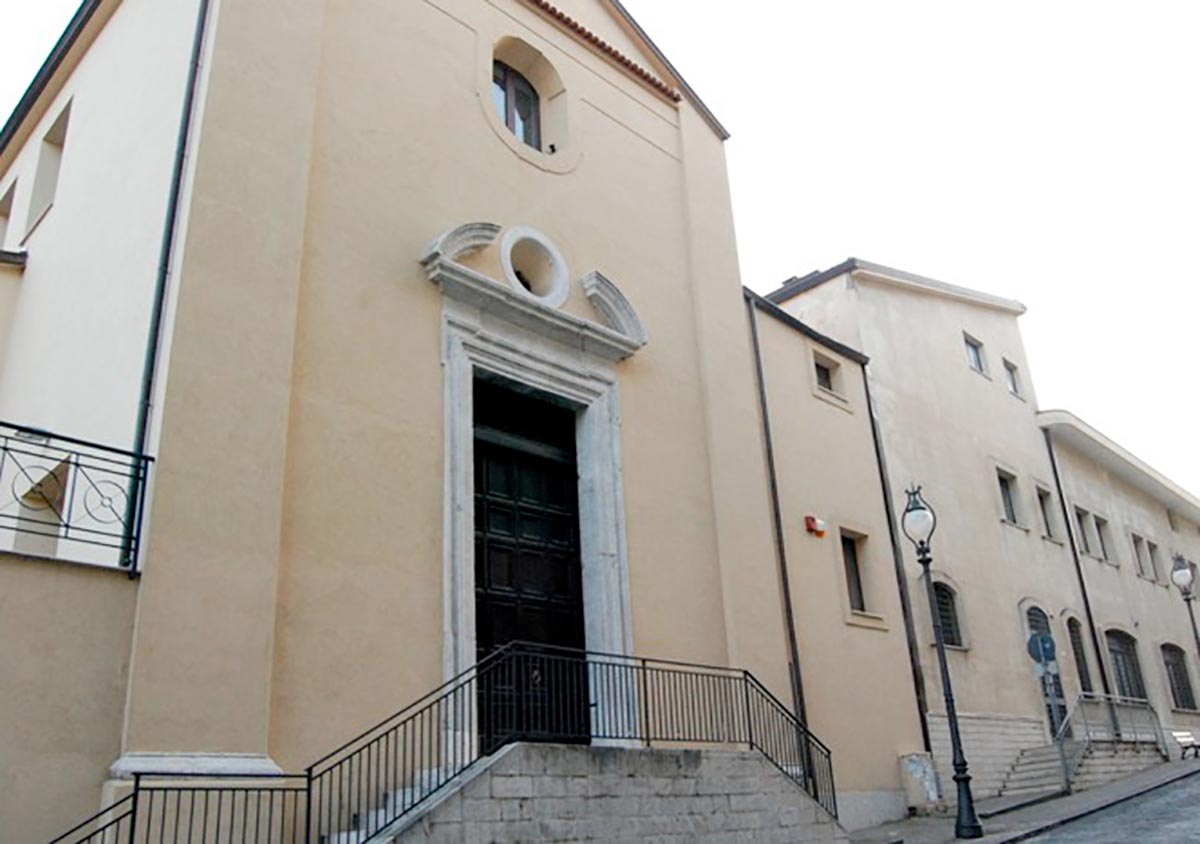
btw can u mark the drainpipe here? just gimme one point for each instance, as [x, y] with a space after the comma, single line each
[1087, 602]
[153, 341]
[910, 632]
[780, 547]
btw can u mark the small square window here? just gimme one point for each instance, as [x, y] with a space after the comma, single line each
[828, 373]
[1012, 377]
[1008, 496]
[1046, 506]
[851, 548]
[974, 353]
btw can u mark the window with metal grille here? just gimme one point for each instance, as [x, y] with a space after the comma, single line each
[947, 610]
[1127, 670]
[1175, 661]
[1075, 633]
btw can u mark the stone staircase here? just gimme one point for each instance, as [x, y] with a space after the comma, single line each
[1038, 770]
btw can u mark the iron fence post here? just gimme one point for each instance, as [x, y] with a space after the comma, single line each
[308, 783]
[133, 812]
[749, 719]
[645, 704]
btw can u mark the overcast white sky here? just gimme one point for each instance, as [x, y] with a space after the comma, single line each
[1049, 152]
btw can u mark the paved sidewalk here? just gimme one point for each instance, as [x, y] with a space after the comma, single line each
[1023, 824]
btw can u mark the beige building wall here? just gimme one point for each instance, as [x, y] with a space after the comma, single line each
[66, 631]
[952, 430]
[825, 458]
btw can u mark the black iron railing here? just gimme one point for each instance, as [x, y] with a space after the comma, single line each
[518, 693]
[68, 498]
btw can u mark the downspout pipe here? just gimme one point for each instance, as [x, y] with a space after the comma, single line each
[789, 615]
[141, 433]
[1087, 602]
[910, 632]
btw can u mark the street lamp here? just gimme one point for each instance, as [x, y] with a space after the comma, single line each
[918, 524]
[1183, 576]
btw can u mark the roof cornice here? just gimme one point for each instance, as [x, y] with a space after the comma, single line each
[1069, 429]
[871, 272]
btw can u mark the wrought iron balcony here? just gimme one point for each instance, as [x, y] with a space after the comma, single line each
[70, 499]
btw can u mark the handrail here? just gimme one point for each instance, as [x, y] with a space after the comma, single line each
[1110, 726]
[520, 692]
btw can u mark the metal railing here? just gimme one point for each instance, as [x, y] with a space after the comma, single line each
[520, 692]
[70, 499]
[1097, 717]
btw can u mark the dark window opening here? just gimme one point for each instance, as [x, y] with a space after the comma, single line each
[1122, 651]
[1006, 495]
[854, 585]
[824, 376]
[1075, 633]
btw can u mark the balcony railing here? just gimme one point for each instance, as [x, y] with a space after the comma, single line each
[362, 791]
[70, 499]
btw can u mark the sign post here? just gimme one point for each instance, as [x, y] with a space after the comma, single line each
[1042, 651]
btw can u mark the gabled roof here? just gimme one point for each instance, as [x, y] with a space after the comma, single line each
[868, 271]
[1068, 428]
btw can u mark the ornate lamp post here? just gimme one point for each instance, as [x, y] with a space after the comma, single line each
[918, 523]
[1183, 577]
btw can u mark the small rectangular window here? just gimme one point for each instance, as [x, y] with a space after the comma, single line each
[850, 558]
[824, 376]
[1155, 561]
[828, 373]
[6, 204]
[1140, 560]
[1046, 506]
[1102, 537]
[974, 353]
[1081, 523]
[1008, 496]
[45, 179]
[1014, 380]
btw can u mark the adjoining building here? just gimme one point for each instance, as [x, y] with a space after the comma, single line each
[345, 345]
[1046, 526]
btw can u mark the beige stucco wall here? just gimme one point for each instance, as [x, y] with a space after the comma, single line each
[825, 458]
[65, 631]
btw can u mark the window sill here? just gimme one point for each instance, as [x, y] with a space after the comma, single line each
[1055, 540]
[949, 647]
[1183, 711]
[14, 261]
[1153, 581]
[1016, 525]
[1018, 396]
[9, 555]
[979, 372]
[869, 620]
[830, 397]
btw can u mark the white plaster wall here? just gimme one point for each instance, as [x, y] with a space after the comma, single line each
[73, 362]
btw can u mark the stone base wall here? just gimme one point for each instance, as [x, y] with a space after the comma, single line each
[545, 793]
[991, 744]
